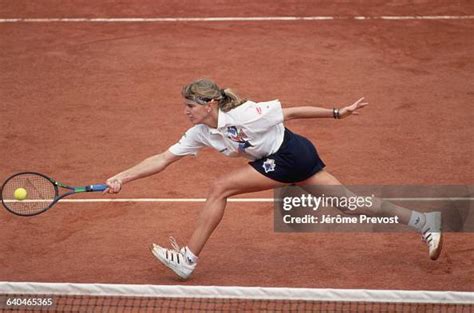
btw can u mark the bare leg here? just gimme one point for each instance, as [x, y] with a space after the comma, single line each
[237, 182]
[324, 182]
[428, 223]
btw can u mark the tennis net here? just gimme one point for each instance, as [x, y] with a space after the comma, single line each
[65, 297]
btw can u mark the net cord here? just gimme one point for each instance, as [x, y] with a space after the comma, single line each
[233, 292]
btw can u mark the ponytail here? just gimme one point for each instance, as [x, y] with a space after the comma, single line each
[229, 100]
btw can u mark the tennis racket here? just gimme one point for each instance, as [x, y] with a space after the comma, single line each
[42, 192]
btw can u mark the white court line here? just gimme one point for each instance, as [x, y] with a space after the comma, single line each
[229, 200]
[230, 19]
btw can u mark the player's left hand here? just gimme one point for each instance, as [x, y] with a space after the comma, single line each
[353, 108]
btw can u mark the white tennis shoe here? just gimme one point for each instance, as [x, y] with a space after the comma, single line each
[432, 234]
[175, 259]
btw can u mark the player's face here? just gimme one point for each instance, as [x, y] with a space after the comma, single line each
[196, 113]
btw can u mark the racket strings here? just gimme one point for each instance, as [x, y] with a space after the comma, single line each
[41, 188]
[40, 194]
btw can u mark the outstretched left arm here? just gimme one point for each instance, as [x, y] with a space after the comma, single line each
[316, 112]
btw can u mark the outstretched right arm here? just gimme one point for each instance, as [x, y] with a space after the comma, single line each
[150, 166]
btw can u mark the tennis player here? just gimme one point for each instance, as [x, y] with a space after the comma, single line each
[236, 127]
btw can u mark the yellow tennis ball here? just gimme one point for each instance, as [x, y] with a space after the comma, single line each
[20, 194]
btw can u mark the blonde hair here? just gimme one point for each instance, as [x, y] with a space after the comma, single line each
[202, 91]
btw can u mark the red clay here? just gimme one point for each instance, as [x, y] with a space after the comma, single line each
[81, 102]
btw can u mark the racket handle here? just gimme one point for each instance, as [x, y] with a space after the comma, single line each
[97, 187]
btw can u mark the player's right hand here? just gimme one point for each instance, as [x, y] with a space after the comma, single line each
[115, 185]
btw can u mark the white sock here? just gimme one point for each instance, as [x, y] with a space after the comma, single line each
[190, 257]
[417, 220]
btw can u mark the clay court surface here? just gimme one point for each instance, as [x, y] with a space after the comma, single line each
[81, 101]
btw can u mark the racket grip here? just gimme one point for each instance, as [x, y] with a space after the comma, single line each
[97, 187]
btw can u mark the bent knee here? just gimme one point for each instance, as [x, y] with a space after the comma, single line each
[221, 188]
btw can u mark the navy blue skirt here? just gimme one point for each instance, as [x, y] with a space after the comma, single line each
[295, 161]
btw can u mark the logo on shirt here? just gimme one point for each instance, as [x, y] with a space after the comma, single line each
[269, 165]
[238, 135]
